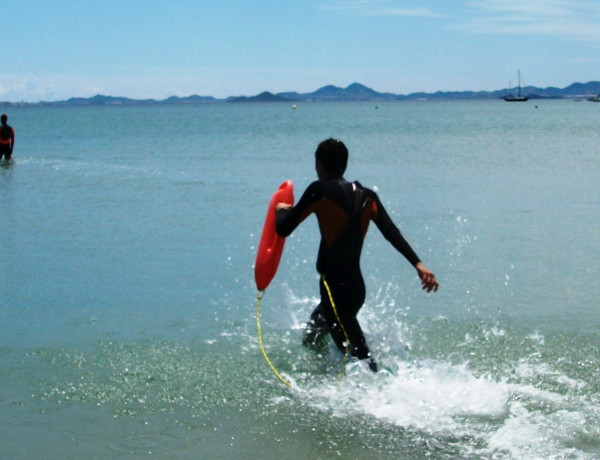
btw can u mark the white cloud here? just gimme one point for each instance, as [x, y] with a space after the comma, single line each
[377, 8]
[405, 12]
[569, 19]
[16, 88]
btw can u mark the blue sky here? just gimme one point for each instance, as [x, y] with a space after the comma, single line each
[156, 49]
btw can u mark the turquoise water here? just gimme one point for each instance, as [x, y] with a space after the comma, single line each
[127, 298]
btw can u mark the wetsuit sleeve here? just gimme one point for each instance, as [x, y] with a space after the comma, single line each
[391, 233]
[284, 224]
[288, 219]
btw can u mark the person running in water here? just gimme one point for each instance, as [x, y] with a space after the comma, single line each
[7, 139]
[344, 210]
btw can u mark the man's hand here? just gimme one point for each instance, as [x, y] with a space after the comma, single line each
[428, 281]
[282, 205]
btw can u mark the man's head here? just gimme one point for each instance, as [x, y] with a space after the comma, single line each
[333, 157]
[3, 119]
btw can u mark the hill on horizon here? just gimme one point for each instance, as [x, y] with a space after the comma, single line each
[331, 93]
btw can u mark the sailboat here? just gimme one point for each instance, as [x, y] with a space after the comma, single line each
[510, 97]
[596, 96]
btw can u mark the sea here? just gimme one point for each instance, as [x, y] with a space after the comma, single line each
[128, 306]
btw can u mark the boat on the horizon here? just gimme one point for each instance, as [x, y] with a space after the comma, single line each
[595, 96]
[510, 97]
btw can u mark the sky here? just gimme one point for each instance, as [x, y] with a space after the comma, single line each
[161, 48]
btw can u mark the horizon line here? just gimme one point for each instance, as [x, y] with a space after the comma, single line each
[217, 99]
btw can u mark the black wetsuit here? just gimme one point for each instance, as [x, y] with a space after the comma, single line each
[343, 210]
[6, 141]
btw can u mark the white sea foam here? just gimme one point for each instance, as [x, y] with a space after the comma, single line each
[522, 407]
[509, 419]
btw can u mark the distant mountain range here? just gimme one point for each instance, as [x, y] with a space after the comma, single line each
[330, 93]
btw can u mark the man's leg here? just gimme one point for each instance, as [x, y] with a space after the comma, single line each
[347, 304]
[315, 335]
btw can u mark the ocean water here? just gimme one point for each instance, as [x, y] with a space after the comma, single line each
[127, 297]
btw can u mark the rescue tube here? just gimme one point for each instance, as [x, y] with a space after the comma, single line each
[271, 244]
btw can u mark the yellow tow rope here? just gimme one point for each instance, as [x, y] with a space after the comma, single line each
[259, 297]
[337, 317]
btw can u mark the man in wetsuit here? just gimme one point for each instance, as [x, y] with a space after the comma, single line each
[343, 211]
[7, 139]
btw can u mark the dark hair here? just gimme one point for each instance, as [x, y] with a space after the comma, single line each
[333, 155]
[4, 118]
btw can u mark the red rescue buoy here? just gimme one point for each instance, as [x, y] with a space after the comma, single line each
[271, 244]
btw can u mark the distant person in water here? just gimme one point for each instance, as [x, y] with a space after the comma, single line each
[7, 139]
[344, 210]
